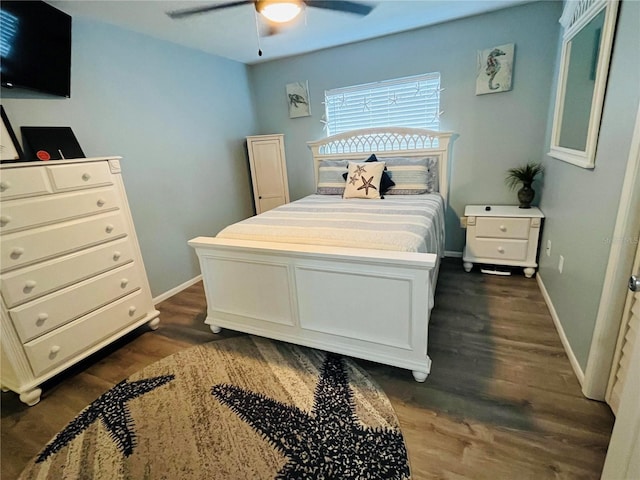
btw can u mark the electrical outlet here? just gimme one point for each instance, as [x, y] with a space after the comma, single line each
[561, 264]
[548, 249]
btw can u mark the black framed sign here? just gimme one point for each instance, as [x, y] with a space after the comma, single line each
[10, 150]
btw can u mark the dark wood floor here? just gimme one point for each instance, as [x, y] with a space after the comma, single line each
[501, 402]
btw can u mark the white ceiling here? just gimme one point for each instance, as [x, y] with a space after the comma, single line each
[232, 32]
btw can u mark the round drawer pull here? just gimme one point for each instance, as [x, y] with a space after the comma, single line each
[4, 185]
[4, 219]
[500, 249]
[132, 310]
[109, 228]
[54, 349]
[42, 317]
[503, 228]
[86, 177]
[124, 282]
[16, 252]
[116, 255]
[30, 284]
[101, 202]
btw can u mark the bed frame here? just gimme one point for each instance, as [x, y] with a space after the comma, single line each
[368, 304]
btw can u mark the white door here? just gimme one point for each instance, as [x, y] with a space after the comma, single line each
[268, 171]
[627, 338]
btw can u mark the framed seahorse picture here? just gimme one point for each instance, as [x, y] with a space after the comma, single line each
[495, 69]
[298, 99]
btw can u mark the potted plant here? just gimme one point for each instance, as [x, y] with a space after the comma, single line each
[525, 176]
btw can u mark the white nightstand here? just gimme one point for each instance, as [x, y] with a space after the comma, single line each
[502, 235]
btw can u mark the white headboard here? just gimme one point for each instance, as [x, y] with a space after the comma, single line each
[388, 142]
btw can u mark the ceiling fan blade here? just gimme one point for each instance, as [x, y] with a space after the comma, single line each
[176, 14]
[341, 6]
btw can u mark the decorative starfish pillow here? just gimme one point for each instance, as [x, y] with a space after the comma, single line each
[385, 182]
[363, 180]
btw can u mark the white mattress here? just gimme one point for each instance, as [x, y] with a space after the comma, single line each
[407, 223]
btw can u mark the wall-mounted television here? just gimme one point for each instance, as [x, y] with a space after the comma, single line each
[35, 46]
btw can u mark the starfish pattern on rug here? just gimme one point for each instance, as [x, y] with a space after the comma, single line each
[111, 408]
[327, 443]
[366, 184]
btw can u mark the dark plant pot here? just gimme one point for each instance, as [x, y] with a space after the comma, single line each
[525, 195]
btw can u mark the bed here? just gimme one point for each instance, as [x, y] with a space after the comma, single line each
[301, 273]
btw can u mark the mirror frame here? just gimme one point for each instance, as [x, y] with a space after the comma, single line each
[575, 16]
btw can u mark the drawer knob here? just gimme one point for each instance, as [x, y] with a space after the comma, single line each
[501, 249]
[86, 177]
[132, 310]
[109, 228]
[124, 282]
[54, 349]
[101, 202]
[116, 255]
[503, 228]
[4, 219]
[30, 284]
[42, 317]
[4, 185]
[16, 252]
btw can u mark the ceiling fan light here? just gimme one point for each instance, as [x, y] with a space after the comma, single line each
[280, 11]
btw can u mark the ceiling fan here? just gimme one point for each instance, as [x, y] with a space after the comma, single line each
[278, 11]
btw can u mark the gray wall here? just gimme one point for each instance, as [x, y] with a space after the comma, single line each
[177, 116]
[496, 131]
[581, 205]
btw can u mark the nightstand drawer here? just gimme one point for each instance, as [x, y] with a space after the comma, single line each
[503, 227]
[498, 249]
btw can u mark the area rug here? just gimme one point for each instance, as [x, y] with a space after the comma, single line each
[240, 408]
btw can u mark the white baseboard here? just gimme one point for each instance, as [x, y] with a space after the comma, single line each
[170, 293]
[452, 254]
[563, 337]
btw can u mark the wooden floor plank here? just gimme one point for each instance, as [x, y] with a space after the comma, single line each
[502, 401]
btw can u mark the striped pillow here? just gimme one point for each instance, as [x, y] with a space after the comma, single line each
[330, 180]
[412, 175]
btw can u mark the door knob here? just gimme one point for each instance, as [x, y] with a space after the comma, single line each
[634, 283]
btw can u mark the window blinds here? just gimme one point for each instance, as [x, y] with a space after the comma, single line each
[404, 102]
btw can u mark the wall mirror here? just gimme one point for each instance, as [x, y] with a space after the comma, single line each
[589, 27]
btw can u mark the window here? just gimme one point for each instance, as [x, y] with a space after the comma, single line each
[402, 102]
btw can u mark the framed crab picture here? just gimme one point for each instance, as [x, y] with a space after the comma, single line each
[494, 69]
[298, 99]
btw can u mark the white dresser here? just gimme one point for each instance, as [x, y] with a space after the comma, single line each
[502, 235]
[268, 171]
[71, 271]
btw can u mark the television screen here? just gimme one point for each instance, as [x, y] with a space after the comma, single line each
[35, 45]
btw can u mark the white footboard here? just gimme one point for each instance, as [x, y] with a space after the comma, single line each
[369, 304]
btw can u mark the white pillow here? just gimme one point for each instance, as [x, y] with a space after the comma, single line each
[363, 180]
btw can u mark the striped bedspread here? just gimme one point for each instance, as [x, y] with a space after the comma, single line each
[408, 223]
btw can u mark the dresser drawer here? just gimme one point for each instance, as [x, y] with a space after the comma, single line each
[30, 212]
[70, 340]
[43, 315]
[502, 227]
[22, 248]
[23, 182]
[82, 175]
[35, 281]
[498, 249]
